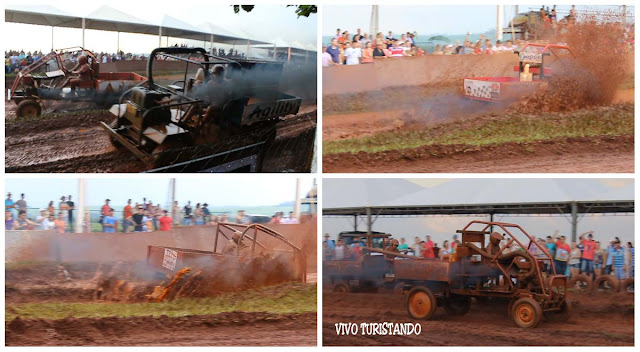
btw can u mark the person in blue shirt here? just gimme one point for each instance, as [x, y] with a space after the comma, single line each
[551, 247]
[8, 205]
[617, 256]
[609, 264]
[110, 223]
[334, 51]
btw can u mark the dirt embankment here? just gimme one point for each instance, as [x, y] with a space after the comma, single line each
[597, 320]
[225, 329]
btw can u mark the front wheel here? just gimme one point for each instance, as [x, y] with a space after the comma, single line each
[28, 108]
[526, 312]
[421, 303]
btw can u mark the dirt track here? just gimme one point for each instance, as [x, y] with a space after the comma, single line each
[46, 284]
[235, 328]
[77, 143]
[588, 155]
[596, 320]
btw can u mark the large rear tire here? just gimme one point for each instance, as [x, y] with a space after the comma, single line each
[421, 303]
[526, 313]
[341, 287]
[28, 108]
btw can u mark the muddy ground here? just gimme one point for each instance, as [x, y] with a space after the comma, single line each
[422, 107]
[68, 138]
[597, 320]
[46, 283]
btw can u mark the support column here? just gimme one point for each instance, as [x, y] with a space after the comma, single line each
[160, 36]
[574, 221]
[369, 225]
[79, 209]
[118, 43]
[52, 47]
[83, 28]
[491, 220]
[296, 208]
[274, 52]
[355, 223]
[499, 23]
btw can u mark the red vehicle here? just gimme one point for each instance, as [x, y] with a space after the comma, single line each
[48, 78]
[542, 61]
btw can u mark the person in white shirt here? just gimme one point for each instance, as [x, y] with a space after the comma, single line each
[49, 223]
[41, 218]
[353, 54]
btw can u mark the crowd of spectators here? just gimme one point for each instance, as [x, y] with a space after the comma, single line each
[135, 217]
[16, 60]
[585, 256]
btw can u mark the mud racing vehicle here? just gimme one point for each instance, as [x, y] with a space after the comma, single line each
[537, 60]
[48, 79]
[238, 259]
[233, 105]
[484, 270]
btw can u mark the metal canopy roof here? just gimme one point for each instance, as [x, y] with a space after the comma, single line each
[107, 18]
[583, 207]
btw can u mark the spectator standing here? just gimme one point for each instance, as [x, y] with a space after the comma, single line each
[165, 222]
[339, 252]
[72, 206]
[598, 259]
[41, 218]
[609, 260]
[138, 219]
[49, 223]
[22, 223]
[104, 211]
[403, 246]
[176, 213]
[241, 218]
[574, 259]
[588, 252]
[631, 255]
[51, 209]
[59, 223]
[8, 204]
[187, 214]
[417, 247]
[198, 215]
[127, 213]
[64, 207]
[618, 261]
[367, 53]
[562, 256]
[21, 204]
[334, 51]
[353, 54]
[110, 223]
[8, 220]
[206, 213]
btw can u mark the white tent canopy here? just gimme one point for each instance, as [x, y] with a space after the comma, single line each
[109, 19]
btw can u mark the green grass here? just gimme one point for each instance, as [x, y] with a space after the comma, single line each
[508, 127]
[288, 298]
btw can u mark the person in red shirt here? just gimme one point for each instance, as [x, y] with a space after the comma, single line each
[104, 211]
[165, 222]
[127, 214]
[588, 253]
[562, 256]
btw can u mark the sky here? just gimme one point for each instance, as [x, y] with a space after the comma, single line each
[343, 193]
[442, 19]
[266, 22]
[221, 190]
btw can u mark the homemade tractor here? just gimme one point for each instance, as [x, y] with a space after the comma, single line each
[238, 260]
[51, 78]
[233, 105]
[535, 65]
[484, 270]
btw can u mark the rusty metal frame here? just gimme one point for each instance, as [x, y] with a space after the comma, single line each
[504, 226]
[256, 229]
[43, 61]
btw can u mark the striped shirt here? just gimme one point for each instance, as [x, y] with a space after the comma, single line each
[618, 257]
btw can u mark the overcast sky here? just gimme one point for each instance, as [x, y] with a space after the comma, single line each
[221, 190]
[442, 19]
[346, 193]
[266, 22]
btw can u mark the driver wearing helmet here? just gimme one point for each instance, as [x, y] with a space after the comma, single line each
[494, 243]
[82, 73]
[218, 93]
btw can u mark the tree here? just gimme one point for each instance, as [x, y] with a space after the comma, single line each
[301, 10]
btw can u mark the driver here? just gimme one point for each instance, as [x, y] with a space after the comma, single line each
[494, 243]
[218, 93]
[81, 73]
[234, 243]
